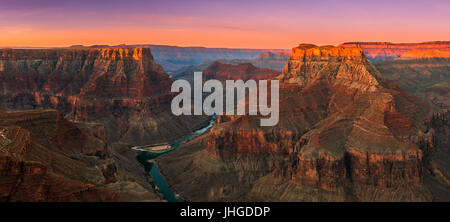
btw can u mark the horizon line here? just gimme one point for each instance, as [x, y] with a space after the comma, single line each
[215, 47]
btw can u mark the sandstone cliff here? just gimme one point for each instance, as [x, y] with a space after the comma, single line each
[44, 157]
[122, 88]
[380, 51]
[173, 58]
[345, 133]
[119, 95]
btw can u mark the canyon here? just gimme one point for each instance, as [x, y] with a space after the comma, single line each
[268, 60]
[174, 58]
[345, 134]
[358, 122]
[119, 95]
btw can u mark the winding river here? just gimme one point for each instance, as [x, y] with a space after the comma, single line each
[146, 155]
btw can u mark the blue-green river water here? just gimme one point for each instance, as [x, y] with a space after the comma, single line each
[153, 170]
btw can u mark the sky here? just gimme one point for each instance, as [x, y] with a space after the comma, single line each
[210, 23]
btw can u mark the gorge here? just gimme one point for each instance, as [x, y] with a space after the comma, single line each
[118, 95]
[349, 129]
[345, 134]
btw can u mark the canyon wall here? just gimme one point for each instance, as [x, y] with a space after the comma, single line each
[345, 134]
[381, 51]
[174, 58]
[44, 157]
[120, 96]
[122, 88]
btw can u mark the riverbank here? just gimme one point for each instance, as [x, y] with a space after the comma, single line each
[154, 147]
[147, 159]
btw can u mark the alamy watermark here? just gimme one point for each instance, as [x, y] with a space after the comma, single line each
[213, 103]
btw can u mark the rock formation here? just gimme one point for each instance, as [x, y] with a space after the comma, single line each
[174, 58]
[122, 88]
[345, 133]
[120, 96]
[44, 157]
[380, 51]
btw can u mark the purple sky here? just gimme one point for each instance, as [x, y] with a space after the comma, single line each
[253, 24]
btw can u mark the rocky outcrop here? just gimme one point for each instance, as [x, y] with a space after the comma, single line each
[380, 51]
[343, 130]
[435, 143]
[109, 98]
[122, 88]
[43, 157]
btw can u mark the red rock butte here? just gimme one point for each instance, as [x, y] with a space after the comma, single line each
[310, 50]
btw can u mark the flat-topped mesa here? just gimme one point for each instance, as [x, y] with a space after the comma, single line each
[434, 53]
[99, 72]
[73, 53]
[313, 52]
[337, 65]
[379, 51]
[422, 45]
[125, 61]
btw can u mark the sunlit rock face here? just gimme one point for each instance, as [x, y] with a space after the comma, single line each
[103, 101]
[122, 88]
[380, 51]
[339, 65]
[344, 133]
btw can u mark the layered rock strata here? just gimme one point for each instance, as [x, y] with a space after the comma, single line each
[343, 131]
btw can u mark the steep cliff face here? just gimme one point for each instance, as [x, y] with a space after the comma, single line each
[380, 51]
[43, 157]
[343, 131]
[122, 88]
[174, 58]
[120, 96]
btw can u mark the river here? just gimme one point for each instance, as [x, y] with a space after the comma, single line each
[146, 155]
